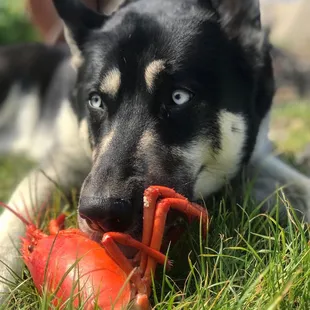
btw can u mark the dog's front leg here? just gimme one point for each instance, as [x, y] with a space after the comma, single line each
[270, 173]
[31, 194]
[34, 188]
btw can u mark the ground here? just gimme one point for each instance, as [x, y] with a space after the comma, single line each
[249, 260]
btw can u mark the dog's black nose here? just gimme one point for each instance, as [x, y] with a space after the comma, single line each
[107, 214]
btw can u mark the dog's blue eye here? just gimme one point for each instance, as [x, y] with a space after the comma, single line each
[95, 101]
[181, 96]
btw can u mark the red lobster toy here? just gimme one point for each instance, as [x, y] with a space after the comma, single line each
[69, 265]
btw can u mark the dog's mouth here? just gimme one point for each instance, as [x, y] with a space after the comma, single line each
[174, 227]
[95, 232]
[88, 228]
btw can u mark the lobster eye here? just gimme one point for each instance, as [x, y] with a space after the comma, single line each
[30, 248]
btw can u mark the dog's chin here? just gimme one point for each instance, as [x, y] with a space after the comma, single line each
[129, 252]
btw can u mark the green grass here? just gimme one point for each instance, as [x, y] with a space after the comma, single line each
[254, 264]
[291, 126]
[14, 24]
[248, 261]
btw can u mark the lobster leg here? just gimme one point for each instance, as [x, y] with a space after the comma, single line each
[182, 205]
[127, 240]
[108, 241]
[57, 224]
[142, 301]
[117, 255]
[151, 196]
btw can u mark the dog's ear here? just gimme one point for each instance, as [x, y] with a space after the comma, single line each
[240, 19]
[79, 21]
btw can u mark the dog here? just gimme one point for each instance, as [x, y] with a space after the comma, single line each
[35, 79]
[176, 93]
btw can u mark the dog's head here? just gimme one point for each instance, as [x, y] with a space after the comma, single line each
[173, 92]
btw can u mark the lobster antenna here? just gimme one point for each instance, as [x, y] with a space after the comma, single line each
[15, 213]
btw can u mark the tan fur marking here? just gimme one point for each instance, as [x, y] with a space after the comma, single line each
[106, 141]
[76, 62]
[77, 58]
[109, 7]
[99, 151]
[146, 140]
[151, 71]
[111, 82]
[84, 135]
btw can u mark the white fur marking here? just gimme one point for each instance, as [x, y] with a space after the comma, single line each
[219, 167]
[232, 142]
